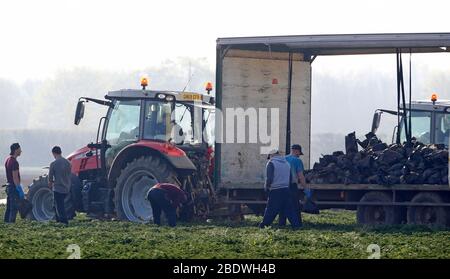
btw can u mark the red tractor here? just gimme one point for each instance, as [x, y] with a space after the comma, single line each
[146, 137]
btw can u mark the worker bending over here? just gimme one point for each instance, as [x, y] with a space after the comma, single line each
[166, 197]
[278, 180]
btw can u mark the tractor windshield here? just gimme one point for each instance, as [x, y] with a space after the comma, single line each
[192, 122]
[420, 127]
[428, 127]
[123, 124]
[157, 121]
[442, 130]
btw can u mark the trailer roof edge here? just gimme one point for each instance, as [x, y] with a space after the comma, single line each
[344, 44]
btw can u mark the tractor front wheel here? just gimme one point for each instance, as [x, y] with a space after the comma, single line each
[130, 195]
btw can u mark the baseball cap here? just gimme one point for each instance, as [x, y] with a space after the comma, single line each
[297, 147]
[13, 148]
[272, 152]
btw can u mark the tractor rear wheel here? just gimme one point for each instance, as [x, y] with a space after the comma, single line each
[130, 195]
[41, 198]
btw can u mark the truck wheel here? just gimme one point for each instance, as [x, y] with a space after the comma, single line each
[377, 214]
[41, 198]
[130, 195]
[427, 215]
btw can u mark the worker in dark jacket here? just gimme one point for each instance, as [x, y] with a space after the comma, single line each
[13, 179]
[278, 180]
[166, 197]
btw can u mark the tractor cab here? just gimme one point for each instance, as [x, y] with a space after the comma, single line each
[182, 119]
[430, 121]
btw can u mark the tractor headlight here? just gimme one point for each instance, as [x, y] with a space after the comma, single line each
[170, 98]
[161, 96]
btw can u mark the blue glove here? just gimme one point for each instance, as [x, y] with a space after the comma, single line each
[19, 190]
[308, 193]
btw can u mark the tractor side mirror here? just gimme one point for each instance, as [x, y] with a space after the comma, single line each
[376, 121]
[79, 112]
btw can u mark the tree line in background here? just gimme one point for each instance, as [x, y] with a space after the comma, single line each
[39, 113]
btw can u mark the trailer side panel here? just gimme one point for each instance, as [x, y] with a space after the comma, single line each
[255, 80]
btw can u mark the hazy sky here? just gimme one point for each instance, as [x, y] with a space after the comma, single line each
[81, 47]
[40, 37]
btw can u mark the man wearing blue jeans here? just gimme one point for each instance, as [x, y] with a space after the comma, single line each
[13, 179]
[278, 179]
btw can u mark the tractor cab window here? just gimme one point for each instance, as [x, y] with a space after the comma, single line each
[442, 128]
[123, 124]
[208, 133]
[420, 126]
[183, 132]
[192, 122]
[157, 121]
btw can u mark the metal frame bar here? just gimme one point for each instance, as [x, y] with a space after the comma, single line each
[350, 203]
[345, 44]
[217, 146]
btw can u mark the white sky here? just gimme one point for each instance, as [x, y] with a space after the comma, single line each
[41, 37]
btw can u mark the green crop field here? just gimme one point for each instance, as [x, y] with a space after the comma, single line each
[332, 234]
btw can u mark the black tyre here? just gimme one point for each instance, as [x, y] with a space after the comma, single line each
[130, 195]
[235, 212]
[377, 214]
[75, 193]
[41, 198]
[427, 215]
[257, 209]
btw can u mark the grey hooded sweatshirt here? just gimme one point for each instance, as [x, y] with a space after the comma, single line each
[278, 173]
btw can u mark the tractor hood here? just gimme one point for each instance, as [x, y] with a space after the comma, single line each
[80, 162]
[78, 154]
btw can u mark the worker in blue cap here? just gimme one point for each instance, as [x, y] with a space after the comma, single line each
[297, 169]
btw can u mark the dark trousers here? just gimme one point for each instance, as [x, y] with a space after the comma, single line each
[295, 197]
[12, 204]
[160, 203]
[60, 209]
[280, 201]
